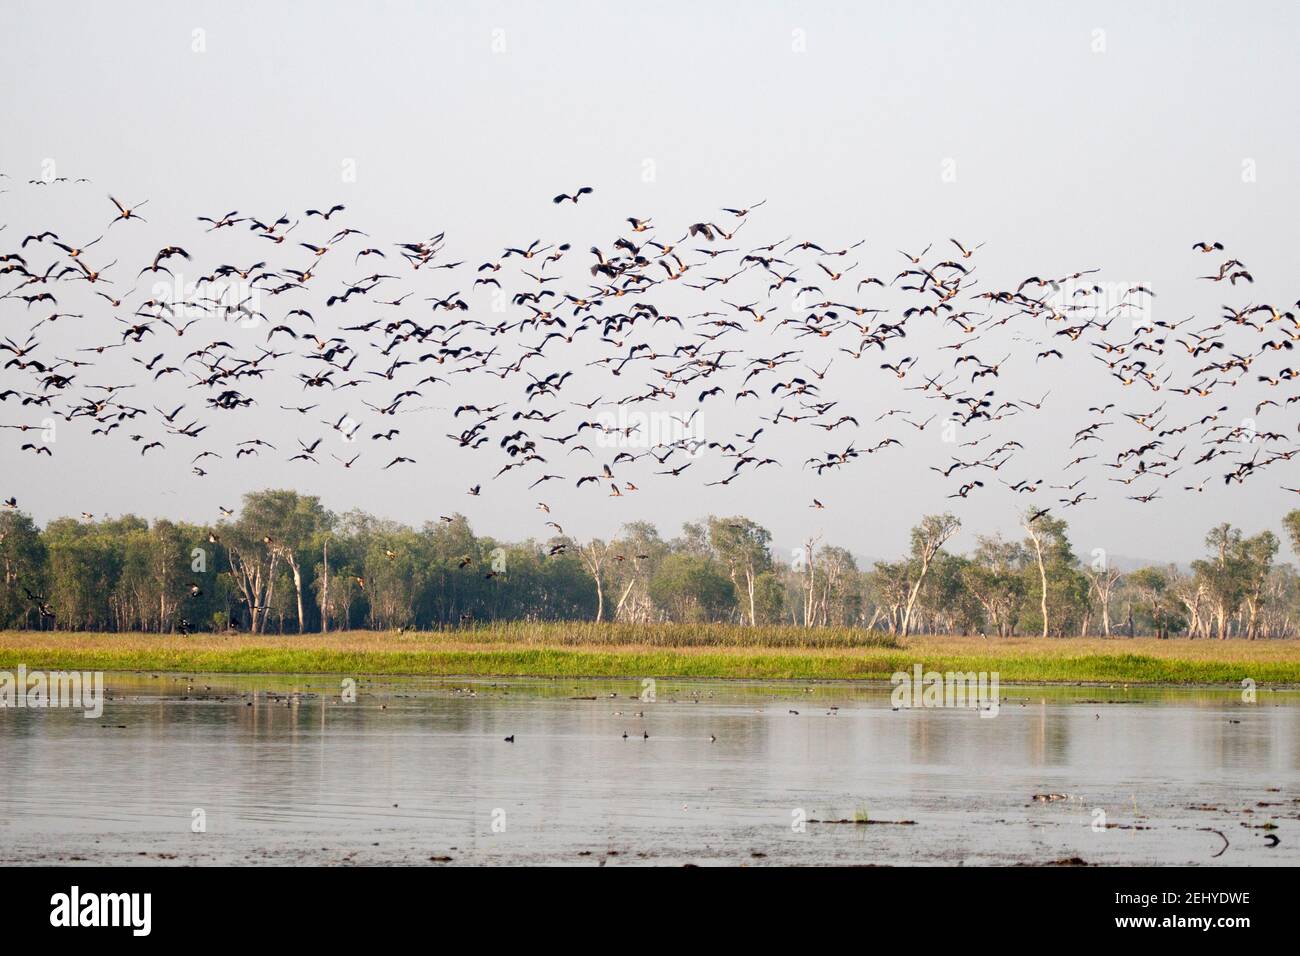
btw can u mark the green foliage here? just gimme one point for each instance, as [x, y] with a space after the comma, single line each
[287, 564]
[1291, 524]
[692, 588]
[23, 559]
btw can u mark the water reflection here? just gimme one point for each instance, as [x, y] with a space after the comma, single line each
[286, 771]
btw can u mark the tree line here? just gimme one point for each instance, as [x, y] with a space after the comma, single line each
[287, 565]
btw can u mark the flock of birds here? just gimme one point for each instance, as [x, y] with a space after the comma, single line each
[684, 319]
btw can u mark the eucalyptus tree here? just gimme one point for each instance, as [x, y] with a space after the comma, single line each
[288, 523]
[946, 603]
[887, 586]
[1257, 554]
[1291, 523]
[928, 538]
[1102, 582]
[1061, 586]
[837, 598]
[692, 588]
[594, 555]
[744, 548]
[396, 564]
[1190, 591]
[995, 578]
[293, 565]
[1152, 588]
[1280, 610]
[83, 568]
[1223, 575]
[23, 559]
[641, 550]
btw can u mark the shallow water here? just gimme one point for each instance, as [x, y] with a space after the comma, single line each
[416, 770]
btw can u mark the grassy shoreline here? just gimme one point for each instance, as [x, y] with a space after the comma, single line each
[663, 652]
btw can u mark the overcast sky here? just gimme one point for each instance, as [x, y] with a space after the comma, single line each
[1065, 137]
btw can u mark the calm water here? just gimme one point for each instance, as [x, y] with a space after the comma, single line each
[417, 770]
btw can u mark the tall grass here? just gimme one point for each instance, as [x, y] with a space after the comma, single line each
[589, 650]
[591, 634]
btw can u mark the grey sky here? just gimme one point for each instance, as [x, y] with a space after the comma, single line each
[1065, 158]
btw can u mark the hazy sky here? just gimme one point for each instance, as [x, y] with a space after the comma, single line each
[1064, 136]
